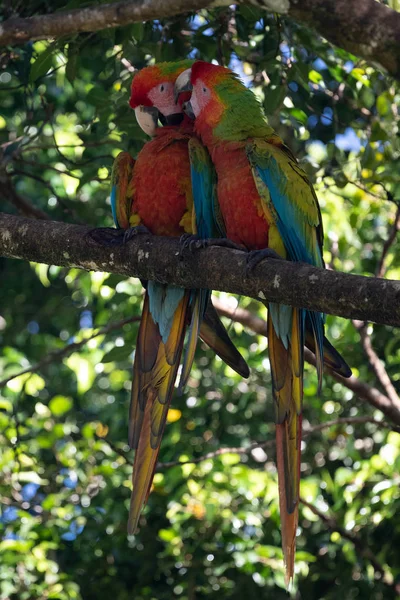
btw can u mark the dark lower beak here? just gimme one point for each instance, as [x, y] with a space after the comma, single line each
[187, 108]
[174, 120]
[153, 112]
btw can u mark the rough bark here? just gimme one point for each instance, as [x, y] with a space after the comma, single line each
[148, 257]
[366, 28]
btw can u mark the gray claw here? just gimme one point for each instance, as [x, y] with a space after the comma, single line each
[256, 256]
[132, 232]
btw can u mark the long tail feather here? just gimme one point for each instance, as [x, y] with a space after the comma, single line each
[331, 357]
[155, 370]
[287, 381]
[198, 304]
[214, 334]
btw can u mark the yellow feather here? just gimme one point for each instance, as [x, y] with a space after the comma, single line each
[155, 369]
[287, 380]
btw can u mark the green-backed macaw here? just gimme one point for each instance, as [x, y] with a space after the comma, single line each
[169, 190]
[267, 203]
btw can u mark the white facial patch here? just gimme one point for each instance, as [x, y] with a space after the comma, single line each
[162, 97]
[195, 103]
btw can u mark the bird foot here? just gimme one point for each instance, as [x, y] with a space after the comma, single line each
[191, 242]
[194, 242]
[225, 243]
[132, 232]
[107, 236]
[256, 256]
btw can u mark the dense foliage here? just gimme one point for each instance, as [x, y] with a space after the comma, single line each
[211, 529]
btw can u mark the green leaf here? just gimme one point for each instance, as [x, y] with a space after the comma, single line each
[315, 77]
[274, 98]
[70, 69]
[378, 133]
[117, 354]
[42, 64]
[60, 405]
[383, 104]
[98, 97]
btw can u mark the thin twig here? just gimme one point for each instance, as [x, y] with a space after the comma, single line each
[364, 391]
[67, 350]
[46, 184]
[377, 364]
[271, 443]
[8, 192]
[161, 466]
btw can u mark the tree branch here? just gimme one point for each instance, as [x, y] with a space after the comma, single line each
[94, 18]
[366, 28]
[389, 405]
[150, 257]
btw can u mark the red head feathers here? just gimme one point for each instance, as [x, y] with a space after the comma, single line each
[158, 76]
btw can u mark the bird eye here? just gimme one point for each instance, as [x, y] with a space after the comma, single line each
[204, 90]
[162, 87]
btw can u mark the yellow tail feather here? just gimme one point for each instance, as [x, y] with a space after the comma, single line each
[155, 369]
[287, 381]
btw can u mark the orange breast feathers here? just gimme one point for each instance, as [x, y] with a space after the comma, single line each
[245, 219]
[162, 187]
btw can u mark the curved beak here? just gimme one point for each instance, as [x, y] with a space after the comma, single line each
[147, 117]
[183, 83]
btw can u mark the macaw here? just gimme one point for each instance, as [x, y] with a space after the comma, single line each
[267, 204]
[169, 191]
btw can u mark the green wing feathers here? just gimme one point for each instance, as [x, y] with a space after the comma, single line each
[290, 198]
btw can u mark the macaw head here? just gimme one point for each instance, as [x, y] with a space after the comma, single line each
[220, 103]
[152, 95]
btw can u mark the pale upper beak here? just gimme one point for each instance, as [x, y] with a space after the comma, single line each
[183, 83]
[147, 117]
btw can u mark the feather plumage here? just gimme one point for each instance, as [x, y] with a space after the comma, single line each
[169, 194]
[267, 201]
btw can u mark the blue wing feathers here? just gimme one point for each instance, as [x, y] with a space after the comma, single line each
[164, 301]
[298, 248]
[113, 198]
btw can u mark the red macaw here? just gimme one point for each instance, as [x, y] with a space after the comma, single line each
[169, 190]
[267, 203]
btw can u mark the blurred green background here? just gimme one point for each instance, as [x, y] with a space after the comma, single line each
[211, 529]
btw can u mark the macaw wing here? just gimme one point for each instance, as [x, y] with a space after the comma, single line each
[208, 221]
[293, 204]
[122, 189]
[290, 198]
